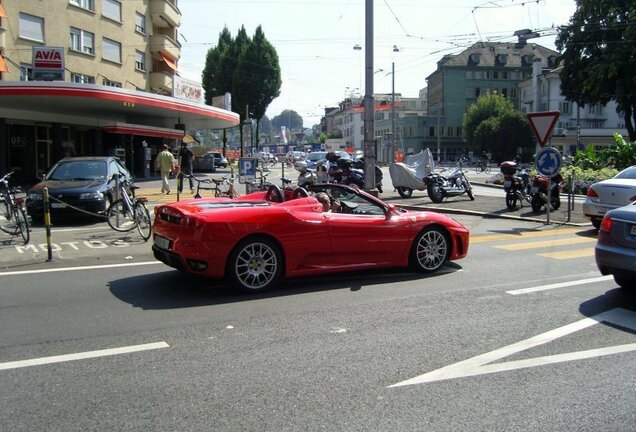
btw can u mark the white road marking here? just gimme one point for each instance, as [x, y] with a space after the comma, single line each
[93, 267]
[82, 355]
[559, 285]
[479, 365]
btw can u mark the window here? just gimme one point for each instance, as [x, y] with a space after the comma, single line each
[82, 79]
[449, 132]
[565, 107]
[111, 51]
[459, 131]
[140, 23]
[110, 83]
[84, 4]
[31, 27]
[26, 72]
[596, 109]
[140, 61]
[82, 41]
[111, 9]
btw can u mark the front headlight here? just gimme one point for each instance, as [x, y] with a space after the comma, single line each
[33, 196]
[91, 195]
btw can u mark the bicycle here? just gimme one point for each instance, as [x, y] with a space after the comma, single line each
[223, 187]
[482, 166]
[14, 210]
[129, 211]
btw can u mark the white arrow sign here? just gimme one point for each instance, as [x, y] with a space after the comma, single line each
[479, 365]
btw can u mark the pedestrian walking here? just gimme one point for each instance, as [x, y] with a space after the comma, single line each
[165, 162]
[185, 162]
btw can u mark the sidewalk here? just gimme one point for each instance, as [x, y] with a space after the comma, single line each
[484, 206]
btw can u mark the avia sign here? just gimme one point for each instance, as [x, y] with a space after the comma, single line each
[542, 124]
[48, 63]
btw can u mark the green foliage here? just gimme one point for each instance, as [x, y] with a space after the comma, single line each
[619, 156]
[290, 119]
[492, 125]
[599, 56]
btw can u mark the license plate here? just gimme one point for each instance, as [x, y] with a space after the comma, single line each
[162, 242]
[601, 210]
[58, 205]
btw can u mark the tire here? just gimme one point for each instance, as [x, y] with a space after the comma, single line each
[435, 193]
[404, 191]
[556, 201]
[596, 223]
[511, 201]
[119, 218]
[535, 203]
[22, 224]
[623, 281]
[487, 170]
[274, 194]
[142, 220]
[469, 189]
[430, 250]
[255, 265]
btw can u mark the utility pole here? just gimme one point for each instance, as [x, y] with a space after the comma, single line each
[369, 105]
[393, 144]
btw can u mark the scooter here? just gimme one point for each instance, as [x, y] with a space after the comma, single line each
[353, 173]
[516, 184]
[539, 192]
[455, 184]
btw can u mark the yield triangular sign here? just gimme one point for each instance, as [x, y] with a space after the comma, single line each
[542, 124]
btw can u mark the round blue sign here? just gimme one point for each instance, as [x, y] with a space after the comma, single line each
[548, 161]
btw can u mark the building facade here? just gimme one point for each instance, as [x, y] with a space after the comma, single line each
[94, 77]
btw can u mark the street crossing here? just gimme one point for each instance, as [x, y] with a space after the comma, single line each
[542, 240]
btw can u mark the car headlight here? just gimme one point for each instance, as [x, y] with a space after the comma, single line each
[33, 196]
[91, 195]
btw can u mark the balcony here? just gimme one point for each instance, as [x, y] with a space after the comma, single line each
[162, 82]
[161, 43]
[164, 13]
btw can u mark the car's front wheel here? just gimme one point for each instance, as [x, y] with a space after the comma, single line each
[430, 250]
[254, 265]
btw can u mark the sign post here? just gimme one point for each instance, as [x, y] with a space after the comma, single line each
[548, 163]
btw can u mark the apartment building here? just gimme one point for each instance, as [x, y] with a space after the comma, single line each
[94, 77]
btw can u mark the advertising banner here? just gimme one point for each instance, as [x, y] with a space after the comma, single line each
[187, 89]
[48, 63]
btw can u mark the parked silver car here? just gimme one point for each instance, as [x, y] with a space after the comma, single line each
[615, 249]
[609, 194]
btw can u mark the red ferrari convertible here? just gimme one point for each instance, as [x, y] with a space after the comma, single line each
[255, 239]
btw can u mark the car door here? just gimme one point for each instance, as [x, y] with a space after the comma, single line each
[366, 236]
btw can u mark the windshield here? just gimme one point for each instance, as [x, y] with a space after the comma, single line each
[628, 173]
[79, 170]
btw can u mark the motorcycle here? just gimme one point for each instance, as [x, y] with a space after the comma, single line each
[353, 173]
[455, 184]
[516, 184]
[539, 192]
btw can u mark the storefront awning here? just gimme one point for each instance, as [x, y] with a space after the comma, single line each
[170, 62]
[3, 65]
[133, 129]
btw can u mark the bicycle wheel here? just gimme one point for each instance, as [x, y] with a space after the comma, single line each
[142, 220]
[119, 217]
[22, 224]
[487, 169]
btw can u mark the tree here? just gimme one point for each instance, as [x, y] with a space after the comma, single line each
[247, 68]
[492, 125]
[288, 118]
[599, 56]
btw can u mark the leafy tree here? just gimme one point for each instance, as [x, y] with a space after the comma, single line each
[599, 56]
[492, 125]
[288, 118]
[246, 67]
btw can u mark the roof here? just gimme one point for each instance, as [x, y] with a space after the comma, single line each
[98, 105]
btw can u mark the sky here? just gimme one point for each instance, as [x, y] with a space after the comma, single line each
[315, 40]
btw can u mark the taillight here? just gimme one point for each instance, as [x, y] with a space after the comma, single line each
[606, 224]
[591, 193]
[632, 199]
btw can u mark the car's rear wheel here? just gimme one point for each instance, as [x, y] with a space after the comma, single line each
[255, 264]
[430, 250]
[624, 282]
[596, 223]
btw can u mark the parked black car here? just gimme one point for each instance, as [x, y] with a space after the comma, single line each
[78, 186]
[209, 162]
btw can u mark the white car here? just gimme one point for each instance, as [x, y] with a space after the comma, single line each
[609, 194]
[294, 156]
[267, 158]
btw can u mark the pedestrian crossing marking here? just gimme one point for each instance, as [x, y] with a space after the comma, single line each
[521, 235]
[546, 243]
[577, 253]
